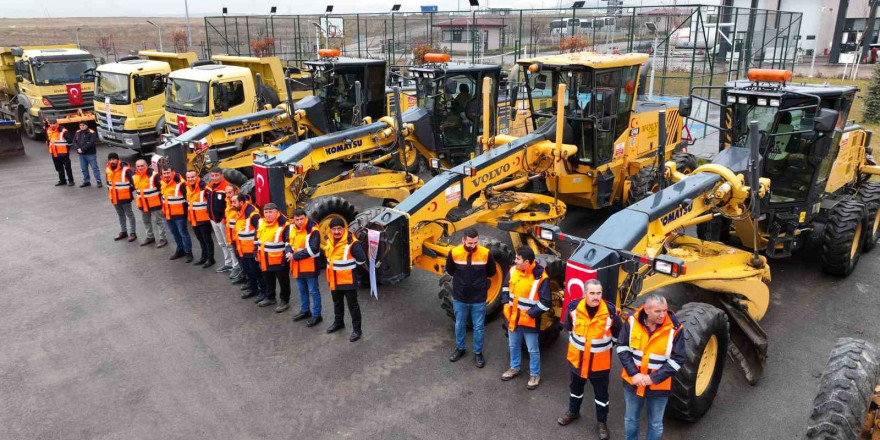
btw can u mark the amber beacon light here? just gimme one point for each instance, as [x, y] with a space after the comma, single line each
[770, 75]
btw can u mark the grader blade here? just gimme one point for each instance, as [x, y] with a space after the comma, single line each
[749, 348]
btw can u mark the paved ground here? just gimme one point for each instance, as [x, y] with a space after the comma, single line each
[106, 340]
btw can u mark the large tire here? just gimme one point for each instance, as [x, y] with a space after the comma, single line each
[550, 323]
[248, 189]
[27, 125]
[413, 160]
[845, 391]
[324, 209]
[234, 177]
[706, 337]
[869, 194]
[685, 163]
[267, 95]
[843, 242]
[642, 184]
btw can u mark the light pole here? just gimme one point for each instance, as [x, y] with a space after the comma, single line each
[77, 38]
[653, 29]
[160, 34]
[189, 39]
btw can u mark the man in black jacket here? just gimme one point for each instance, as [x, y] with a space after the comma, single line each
[85, 141]
[470, 266]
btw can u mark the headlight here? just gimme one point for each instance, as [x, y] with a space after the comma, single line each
[762, 101]
[663, 267]
[774, 103]
[435, 163]
[128, 141]
[743, 100]
[731, 99]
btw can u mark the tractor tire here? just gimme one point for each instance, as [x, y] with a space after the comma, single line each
[845, 391]
[869, 194]
[707, 335]
[324, 209]
[234, 176]
[685, 163]
[555, 269]
[642, 184]
[248, 189]
[843, 242]
[413, 159]
[267, 95]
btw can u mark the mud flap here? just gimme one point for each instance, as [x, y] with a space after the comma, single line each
[749, 348]
[604, 188]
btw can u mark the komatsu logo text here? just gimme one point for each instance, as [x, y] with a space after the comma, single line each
[675, 215]
[343, 147]
[490, 175]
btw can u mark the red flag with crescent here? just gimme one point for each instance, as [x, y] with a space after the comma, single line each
[261, 185]
[576, 275]
[181, 124]
[74, 94]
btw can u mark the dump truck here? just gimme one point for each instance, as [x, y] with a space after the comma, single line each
[42, 82]
[130, 98]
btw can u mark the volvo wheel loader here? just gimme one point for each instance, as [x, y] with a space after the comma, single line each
[591, 153]
[822, 196]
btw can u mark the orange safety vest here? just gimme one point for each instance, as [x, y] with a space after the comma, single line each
[479, 258]
[649, 350]
[231, 215]
[57, 140]
[173, 199]
[341, 264]
[594, 333]
[245, 232]
[523, 291]
[118, 185]
[145, 191]
[271, 243]
[299, 240]
[197, 212]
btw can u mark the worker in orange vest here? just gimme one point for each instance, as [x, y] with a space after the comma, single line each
[246, 223]
[199, 219]
[593, 324]
[344, 253]
[651, 351]
[230, 217]
[269, 247]
[174, 207]
[120, 188]
[58, 139]
[304, 254]
[148, 199]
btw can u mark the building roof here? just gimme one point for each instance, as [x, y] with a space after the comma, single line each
[464, 22]
[588, 59]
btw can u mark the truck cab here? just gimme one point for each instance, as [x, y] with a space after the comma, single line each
[129, 98]
[41, 82]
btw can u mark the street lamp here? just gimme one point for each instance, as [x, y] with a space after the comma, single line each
[395, 8]
[77, 38]
[189, 39]
[652, 28]
[158, 28]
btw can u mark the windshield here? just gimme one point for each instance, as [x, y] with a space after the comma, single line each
[113, 86]
[743, 113]
[426, 92]
[187, 97]
[61, 72]
[544, 84]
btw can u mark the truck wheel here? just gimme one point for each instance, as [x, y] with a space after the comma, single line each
[846, 389]
[842, 245]
[27, 123]
[412, 162]
[869, 194]
[642, 184]
[685, 163]
[247, 189]
[324, 209]
[234, 176]
[706, 335]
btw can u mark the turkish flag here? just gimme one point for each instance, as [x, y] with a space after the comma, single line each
[261, 185]
[75, 94]
[576, 275]
[181, 124]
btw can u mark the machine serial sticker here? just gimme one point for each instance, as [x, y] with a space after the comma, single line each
[651, 129]
[453, 193]
[618, 149]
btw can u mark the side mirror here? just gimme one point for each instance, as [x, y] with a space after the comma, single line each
[512, 93]
[684, 106]
[88, 75]
[825, 120]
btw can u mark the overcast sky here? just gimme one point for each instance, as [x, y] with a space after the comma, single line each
[127, 8]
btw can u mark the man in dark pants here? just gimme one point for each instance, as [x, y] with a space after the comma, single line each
[343, 253]
[269, 250]
[58, 139]
[85, 141]
[470, 266]
[198, 216]
[593, 324]
[246, 223]
[173, 190]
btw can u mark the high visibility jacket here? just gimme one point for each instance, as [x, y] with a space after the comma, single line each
[215, 194]
[470, 273]
[173, 198]
[119, 185]
[342, 258]
[246, 230]
[146, 190]
[659, 353]
[526, 296]
[305, 245]
[57, 140]
[231, 216]
[197, 213]
[270, 244]
[590, 340]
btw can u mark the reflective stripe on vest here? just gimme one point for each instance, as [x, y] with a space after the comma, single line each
[198, 207]
[516, 311]
[244, 233]
[172, 204]
[146, 196]
[651, 352]
[597, 332]
[341, 266]
[58, 145]
[299, 240]
[118, 186]
[271, 252]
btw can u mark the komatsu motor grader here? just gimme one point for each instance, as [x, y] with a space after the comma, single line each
[821, 195]
[601, 147]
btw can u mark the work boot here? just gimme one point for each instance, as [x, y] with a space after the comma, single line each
[148, 241]
[132, 237]
[301, 315]
[209, 263]
[60, 183]
[162, 243]
[602, 431]
[534, 381]
[355, 335]
[223, 268]
[509, 374]
[84, 184]
[335, 327]
[235, 273]
[120, 236]
[260, 298]
[98, 185]
[313, 321]
[177, 254]
[239, 280]
[200, 261]
[457, 354]
[479, 361]
[266, 302]
[248, 294]
[71, 183]
[189, 257]
[282, 306]
[245, 287]
[567, 418]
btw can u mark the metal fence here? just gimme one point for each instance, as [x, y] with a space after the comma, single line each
[695, 44]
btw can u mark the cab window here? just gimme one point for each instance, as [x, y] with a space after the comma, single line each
[148, 86]
[235, 92]
[787, 158]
